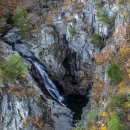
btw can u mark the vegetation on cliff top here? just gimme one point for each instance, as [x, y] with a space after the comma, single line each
[21, 21]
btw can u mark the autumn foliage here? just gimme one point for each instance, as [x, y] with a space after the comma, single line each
[120, 31]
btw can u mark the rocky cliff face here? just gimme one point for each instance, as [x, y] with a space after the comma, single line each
[61, 39]
[65, 55]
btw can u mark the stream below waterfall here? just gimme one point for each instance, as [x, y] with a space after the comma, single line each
[67, 107]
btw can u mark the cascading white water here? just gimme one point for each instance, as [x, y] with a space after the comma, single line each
[48, 84]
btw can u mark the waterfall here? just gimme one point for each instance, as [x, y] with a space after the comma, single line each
[40, 70]
[45, 80]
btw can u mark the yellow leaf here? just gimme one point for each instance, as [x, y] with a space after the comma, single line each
[125, 14]
[129, 75]
[104, 114]
[128, 71]
[121, 85]
[103, 128]
[127, 104]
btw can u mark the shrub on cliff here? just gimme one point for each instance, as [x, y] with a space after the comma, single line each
[12, 68]
[92, 115]
[103, 17]
[114, 123]
[117, 103]
[121, 2]
[20, 20]
[114, 73]
[97, 40]
[72, 32]
[98, 4]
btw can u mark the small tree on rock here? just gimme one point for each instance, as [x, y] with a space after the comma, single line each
[12, 68]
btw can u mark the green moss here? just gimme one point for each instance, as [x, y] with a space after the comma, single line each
[114, 73]
[97, 40]
[72, 32]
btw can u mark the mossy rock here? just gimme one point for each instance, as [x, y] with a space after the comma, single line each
[72, 32]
